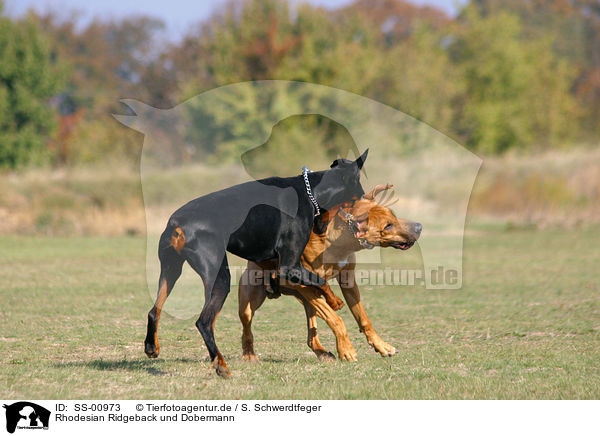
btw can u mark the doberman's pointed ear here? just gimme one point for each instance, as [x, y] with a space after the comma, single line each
[361, 159]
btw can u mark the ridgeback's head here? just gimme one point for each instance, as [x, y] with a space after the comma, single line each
[376, 225]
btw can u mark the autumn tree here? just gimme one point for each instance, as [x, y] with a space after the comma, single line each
[29, 77]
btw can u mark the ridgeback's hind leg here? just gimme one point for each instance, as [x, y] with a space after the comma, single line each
[171, 263]
[217, 281]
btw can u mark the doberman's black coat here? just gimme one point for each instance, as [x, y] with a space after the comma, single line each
[264, 220]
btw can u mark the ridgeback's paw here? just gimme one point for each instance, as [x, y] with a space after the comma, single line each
[349, 354]
[250, 358]
[385, 349]
[151, 351]
[324, 356]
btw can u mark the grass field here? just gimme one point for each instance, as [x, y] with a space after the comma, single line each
[526, 325]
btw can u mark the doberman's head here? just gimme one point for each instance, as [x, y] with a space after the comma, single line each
[339, 184]
[376, 225]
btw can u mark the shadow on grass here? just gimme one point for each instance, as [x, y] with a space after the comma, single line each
[150, 366]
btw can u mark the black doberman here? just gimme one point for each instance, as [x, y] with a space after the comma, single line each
[268, 219]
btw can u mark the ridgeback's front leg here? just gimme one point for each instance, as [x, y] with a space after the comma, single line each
[352, 295]
[312, 296]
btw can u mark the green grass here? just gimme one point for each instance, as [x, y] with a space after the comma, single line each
[525, 326]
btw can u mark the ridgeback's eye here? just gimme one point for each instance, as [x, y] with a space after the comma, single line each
[389, 226]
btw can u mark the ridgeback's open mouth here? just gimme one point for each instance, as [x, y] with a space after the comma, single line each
[402, 245]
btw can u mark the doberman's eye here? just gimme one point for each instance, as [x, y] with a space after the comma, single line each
[389, 226]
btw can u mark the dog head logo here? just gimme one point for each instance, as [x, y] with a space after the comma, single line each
[26, 415]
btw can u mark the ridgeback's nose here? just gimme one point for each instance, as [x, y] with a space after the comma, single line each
[417, 227]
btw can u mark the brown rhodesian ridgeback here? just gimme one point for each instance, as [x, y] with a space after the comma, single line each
[330, 254]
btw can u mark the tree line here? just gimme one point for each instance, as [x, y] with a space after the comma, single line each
[500, 75]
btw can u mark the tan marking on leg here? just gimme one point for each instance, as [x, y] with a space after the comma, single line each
[178, 239]
[158, 305]
[219, 361]
[214, 321]
[221, 366]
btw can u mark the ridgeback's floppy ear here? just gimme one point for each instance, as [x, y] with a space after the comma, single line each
[377, 190]
[362, 224]
[361, 159]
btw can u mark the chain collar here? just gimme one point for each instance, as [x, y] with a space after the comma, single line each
[305, 172]
[350, 221]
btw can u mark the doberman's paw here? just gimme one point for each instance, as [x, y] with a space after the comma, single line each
[151, 351]
[220, 366]
[250, 358]
[222, 370]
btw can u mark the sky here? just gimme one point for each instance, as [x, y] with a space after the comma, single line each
[179, 15]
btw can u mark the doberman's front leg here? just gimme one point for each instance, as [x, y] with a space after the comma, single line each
[352, 296]
[290, 266]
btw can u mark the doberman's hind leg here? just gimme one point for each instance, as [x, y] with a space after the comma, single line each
[251, 295]
[170, 269]
[217, 283]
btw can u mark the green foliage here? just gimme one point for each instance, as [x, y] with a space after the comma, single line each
[504, 74]
[517, 91]
[28, 78]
